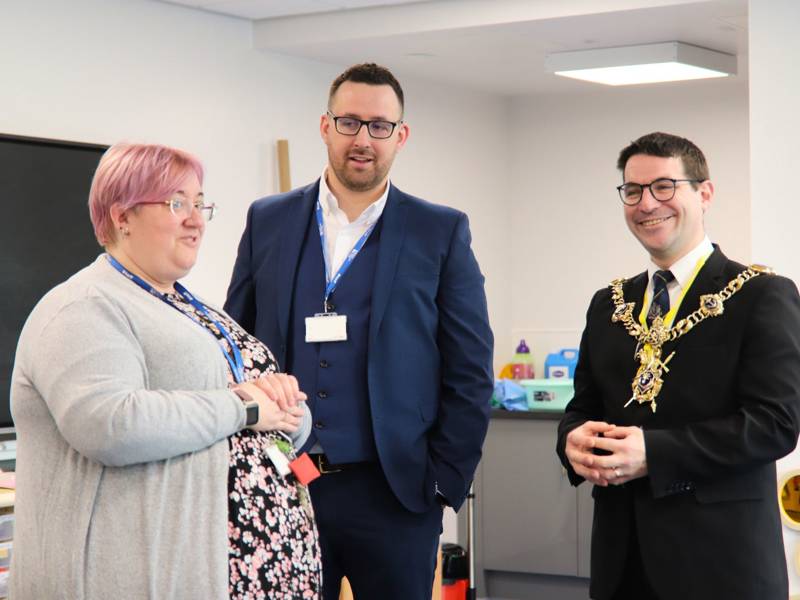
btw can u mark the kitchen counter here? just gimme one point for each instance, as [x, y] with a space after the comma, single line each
[531, 415]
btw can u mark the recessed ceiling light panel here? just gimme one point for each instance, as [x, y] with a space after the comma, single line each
[650, 63]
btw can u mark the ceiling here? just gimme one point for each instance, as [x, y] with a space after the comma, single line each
[269, 9]
[497, 46]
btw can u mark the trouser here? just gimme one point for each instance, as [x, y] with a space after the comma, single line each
[385, 551]
[634, 584]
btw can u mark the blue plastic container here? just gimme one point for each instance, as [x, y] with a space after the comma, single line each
[561, 364]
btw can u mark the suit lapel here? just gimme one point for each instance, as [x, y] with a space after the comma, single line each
[392, 235]
[709, 280]
[634, 292]
[292, 238]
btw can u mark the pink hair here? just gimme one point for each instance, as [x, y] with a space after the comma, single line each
[131, 174]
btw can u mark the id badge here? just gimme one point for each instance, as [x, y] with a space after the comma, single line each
[326, 327]
[278, 459]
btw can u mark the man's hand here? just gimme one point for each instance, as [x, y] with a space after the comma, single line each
[627, 459]
[581, 442]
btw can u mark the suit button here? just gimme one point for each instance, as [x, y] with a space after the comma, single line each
[319, 425]
[331, 307]
[322, 394]
[323, 364]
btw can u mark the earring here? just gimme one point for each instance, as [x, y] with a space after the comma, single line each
[125, 231]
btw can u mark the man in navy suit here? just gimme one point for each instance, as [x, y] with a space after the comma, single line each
[687, 391]
[373, 299]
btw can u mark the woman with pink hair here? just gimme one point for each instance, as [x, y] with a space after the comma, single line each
[155, 436]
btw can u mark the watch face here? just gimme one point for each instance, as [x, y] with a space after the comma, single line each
[252, 414]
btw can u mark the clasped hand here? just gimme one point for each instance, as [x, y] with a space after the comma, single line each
[626, 459]
[279, 402]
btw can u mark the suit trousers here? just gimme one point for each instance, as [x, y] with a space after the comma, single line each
[385, 551]
[634, 584]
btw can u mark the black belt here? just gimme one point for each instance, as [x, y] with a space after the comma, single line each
[324, 466]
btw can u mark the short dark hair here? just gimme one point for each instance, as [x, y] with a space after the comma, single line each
[666, 145]
[373, 75]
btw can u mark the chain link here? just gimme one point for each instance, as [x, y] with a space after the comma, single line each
[624, 311]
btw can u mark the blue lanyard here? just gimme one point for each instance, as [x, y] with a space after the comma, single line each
[332, 282]
[235, 362]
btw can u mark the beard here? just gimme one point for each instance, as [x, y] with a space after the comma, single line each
[360, 181]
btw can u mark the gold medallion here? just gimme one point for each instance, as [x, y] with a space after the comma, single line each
[711, 304]
[648, 381]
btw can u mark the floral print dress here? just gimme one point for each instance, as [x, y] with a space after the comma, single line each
[273, 545]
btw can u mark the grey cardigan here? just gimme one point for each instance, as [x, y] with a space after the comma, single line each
[122, 412]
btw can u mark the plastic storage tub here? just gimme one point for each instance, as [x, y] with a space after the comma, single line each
[547, 394]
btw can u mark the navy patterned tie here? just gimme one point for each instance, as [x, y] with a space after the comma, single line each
[660, 304]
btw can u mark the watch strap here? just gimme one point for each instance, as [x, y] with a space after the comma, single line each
[251, 406]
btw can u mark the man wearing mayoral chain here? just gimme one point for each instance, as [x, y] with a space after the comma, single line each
[687, 391]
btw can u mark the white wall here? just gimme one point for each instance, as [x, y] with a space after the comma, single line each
[107, 70]
[774, 131]
[569, 236]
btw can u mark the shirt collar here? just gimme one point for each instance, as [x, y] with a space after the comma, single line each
[683, 268]
[330, 205]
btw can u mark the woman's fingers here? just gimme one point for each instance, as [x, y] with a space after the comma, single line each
[282, 388]
[274, 388]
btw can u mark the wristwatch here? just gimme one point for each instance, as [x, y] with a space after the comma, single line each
[250, 406]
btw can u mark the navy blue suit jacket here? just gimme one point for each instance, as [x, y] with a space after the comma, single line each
[430, 346]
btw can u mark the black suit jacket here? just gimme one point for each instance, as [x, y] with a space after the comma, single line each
[706, 515]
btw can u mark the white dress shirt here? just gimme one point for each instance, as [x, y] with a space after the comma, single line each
[340, 234]
[683, 269]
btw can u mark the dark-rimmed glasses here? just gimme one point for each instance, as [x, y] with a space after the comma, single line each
[380, 130]
[183, 207]
[662, 189]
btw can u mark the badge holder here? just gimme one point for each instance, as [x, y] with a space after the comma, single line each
[326, 327]
[278, 459]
